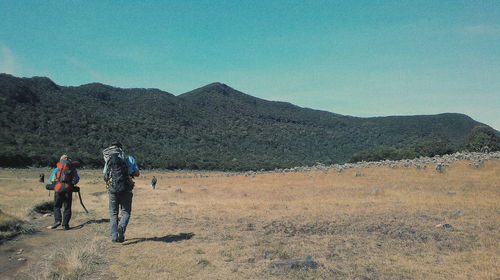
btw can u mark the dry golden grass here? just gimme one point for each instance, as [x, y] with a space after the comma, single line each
[375, 223]
[70, 260]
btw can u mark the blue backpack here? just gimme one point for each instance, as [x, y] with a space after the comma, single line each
[131, 165]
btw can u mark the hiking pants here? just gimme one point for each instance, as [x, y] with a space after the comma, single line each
[61, 199]
[119, 200]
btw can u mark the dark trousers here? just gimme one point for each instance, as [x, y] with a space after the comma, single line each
[119, 200]
[61, 199]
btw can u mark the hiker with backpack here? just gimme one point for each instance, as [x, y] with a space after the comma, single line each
[63, 178]
[118, 174]
[153, 182]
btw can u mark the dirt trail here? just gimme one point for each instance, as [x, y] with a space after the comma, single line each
[25, 256]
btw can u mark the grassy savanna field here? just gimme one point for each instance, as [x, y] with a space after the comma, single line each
[373, 223]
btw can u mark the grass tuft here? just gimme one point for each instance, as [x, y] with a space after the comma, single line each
[11, 226]
[203, 262]
[43, 207]
[71, 261]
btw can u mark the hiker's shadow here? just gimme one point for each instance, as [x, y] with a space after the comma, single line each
[100, 221]
[167, 238]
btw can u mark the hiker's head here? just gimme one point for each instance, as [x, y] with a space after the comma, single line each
[63, 157]
[117, 144]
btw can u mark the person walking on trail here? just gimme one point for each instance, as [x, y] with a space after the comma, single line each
[64, 178]
[153, 182]
[118, 174]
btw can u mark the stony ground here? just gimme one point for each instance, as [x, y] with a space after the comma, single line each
[386, 220]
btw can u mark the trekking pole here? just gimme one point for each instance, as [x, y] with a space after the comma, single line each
[81, 202]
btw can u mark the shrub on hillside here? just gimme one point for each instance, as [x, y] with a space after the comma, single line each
[482, 139]
[427, 149]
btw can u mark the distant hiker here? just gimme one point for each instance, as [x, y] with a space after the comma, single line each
[153, 182]
[64, 178]
[41, 178]
[118, 174]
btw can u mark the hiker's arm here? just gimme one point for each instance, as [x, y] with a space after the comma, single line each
[76, 178]
[106, 176]
[105, 167]
[105, 172]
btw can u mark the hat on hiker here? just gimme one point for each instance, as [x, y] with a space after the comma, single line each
[64, 157]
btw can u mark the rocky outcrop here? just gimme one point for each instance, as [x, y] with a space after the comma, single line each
[439, 163]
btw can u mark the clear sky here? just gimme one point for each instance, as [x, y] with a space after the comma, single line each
[360, 58]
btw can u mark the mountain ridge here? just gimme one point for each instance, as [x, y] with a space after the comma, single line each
[211, 127]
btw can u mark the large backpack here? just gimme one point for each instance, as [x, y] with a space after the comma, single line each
[119, 180]
[64, 176]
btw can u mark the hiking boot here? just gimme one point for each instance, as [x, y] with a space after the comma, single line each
[54, 225]
[66, 227]
[121, 237]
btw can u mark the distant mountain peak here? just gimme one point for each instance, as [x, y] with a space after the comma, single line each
[96, 86]
[216, 87]
[211, 89]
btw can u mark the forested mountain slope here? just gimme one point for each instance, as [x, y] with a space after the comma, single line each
[213, 127]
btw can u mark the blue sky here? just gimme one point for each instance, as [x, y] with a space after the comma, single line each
[360, 58]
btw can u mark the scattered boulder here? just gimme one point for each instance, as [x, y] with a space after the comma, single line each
[440, 166]
[475, 159]
[457, 213]
[441, 162]
[447, 227]
[374, 191]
